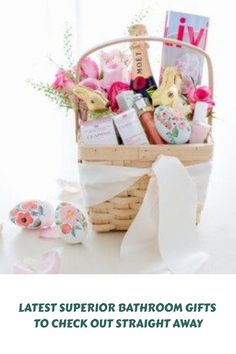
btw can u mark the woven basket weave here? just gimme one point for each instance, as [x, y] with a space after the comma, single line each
[118, 213]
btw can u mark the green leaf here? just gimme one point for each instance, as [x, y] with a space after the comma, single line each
[36, 223]
[175, 132]
[78, 227]
[150, 91]
[40, 209]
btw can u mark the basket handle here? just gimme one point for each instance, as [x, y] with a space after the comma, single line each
[152, 39]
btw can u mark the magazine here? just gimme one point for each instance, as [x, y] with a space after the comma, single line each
[189, 28]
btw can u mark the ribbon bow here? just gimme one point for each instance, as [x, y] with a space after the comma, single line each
[165, 225]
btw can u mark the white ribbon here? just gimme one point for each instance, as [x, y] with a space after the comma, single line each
[166, 222]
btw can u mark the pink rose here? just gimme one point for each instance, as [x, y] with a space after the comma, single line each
[116, 88]
[65, 228]
[62, 81]
[201, 93]
[114, 72]
[168, 125]
[88, 69]
[181, 125]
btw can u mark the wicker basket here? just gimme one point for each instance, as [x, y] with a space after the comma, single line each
[118, 213]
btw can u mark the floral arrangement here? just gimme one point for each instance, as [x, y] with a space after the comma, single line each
[114, 66]
[92, 88]
[200, 94]
[59, 91]
[110, 77]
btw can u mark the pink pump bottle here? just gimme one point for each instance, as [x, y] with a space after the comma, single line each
[200, 129]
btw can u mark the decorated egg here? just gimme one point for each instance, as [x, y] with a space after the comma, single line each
[32, 214]
[71, 223]
[172, 125]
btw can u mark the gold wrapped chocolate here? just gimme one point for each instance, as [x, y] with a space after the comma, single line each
[96, 103]
[168, 93]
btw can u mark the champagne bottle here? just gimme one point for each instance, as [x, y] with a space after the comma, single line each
[142, 80]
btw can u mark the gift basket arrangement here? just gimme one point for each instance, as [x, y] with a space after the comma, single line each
[124, 117]
[129, 121]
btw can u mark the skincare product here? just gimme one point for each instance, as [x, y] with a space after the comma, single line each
[125, 100]
[145, 113]
[200, 129]
[130, 128]
[98, 132]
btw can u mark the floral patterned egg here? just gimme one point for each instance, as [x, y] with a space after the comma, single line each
[172, 125]
[71, 223]
[32, 214]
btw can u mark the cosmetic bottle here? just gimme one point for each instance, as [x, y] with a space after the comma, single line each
[199, 128]
[146, 117]
[125, 99]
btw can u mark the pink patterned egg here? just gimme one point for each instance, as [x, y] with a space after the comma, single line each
[71, 223]
[32, 214]
[172, 125]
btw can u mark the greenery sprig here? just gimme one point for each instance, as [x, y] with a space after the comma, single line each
[58, 97]
[67, 46]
